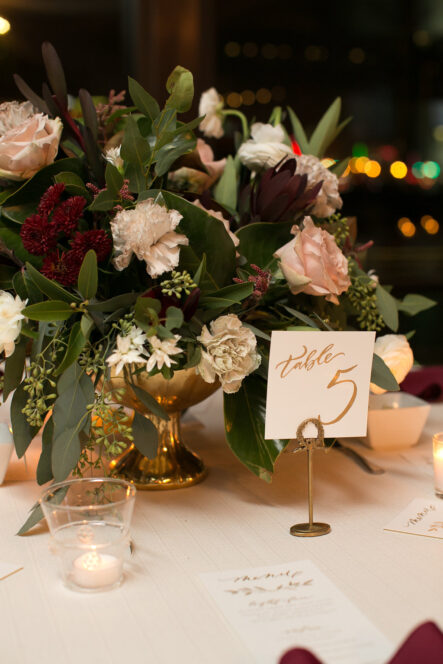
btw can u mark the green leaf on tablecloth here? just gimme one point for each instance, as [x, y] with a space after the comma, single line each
[33, 519]
[382, 376]
[413, 304]
[149, 402]
[145, 435]
[387, 306]
[88, 275]
[14, 367]
[44, 467]
[22, 431]
[245, 427]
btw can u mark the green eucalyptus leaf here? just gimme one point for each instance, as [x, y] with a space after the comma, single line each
[44, 467]
[33, 189]
[86, 325]
[325, 130]
[76, 343]
[245, 425]
[413, 304]
[174, 318]
[149, 402]
[339, 168]
[103, 202]
[174, 149]
[228, 296]
[22, 431]
[33, 519]
[14, 242]
[305, 319]
[135, 149]
[145, 435]
[382, 376]
[200, 272]
[124, 300]
[88, 275]
[50, 310]
[14, 367]
[66, 450]
[387, 306]
[18, 283]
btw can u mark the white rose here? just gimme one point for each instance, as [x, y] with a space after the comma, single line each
[328, 199]
[148, 231]
[396, 352]
[210, 106]
[266, 147]
[230, 352]
[28, 141]
[10, 321]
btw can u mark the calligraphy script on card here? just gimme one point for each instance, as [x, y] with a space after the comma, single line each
[323, 375]
[423, 516]
[277, 607]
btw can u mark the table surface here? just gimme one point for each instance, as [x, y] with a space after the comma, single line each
[162, 612]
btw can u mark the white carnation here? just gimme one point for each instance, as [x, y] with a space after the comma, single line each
[210, 106]
[148, 232]
[266, 147]
[395, 351]
[10, 321]
[328, 199]
[230, 352]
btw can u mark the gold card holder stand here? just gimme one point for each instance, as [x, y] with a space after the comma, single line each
[313, 528]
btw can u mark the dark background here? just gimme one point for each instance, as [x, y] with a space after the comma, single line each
[383, 57]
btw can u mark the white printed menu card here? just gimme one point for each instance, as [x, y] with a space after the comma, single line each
[423, 516]
[279, 607]
[321, 375]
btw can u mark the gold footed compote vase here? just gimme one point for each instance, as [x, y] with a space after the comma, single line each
[175, 466]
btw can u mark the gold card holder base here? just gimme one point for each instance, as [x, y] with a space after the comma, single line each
[311, 529]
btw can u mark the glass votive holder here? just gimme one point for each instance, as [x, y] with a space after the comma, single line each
[89, 522]
[438, 463]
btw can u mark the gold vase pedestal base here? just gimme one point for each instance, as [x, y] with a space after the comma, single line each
[174, 466]
[310, 529]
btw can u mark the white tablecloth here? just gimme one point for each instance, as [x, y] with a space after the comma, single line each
[163, 614]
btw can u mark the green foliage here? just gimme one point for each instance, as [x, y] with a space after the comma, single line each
[22, 431]
[225, 191]
[174, 318]
[14, 367]
[149, 402]
[145, 435]
[50, 310]
[324, 133]
[414, 304]
[48, 287]
[382, 376]
[71, 416]
[74, 184]
[76, 343]
[44, 467]
[245, 426]
[387, 306]
[259, 241]
[145, 103]
[88, 275]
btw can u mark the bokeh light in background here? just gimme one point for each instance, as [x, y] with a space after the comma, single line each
[5, 26]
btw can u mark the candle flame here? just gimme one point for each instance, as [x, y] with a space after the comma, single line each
[438, 454]
[91, 560]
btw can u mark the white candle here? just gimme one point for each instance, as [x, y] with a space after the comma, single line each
[96, 570]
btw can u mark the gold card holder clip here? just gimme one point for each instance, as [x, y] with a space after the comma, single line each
[313, 528]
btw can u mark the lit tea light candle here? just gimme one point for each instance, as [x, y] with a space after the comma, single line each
[438, 464]
[94, 570]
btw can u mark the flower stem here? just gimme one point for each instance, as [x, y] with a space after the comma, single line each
[244, 122]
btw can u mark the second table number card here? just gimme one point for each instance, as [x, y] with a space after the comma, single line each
[318, 386]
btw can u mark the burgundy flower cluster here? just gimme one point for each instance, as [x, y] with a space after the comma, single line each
[55, 220]
[261, 282]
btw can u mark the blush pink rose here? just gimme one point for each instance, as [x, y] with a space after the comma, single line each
[28, 141]
[312, 263]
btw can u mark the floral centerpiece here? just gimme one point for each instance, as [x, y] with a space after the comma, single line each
[128, 250]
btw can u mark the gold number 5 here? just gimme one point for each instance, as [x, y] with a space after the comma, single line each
[334, 382]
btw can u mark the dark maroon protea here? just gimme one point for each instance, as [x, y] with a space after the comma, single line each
[280, 194]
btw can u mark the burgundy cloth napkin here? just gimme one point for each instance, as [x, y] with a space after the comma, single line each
[423, 646]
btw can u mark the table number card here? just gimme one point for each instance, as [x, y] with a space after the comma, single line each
[423, 516]
[278, 607]
[323, 375]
